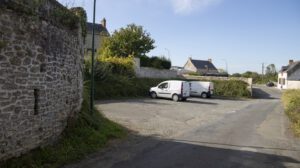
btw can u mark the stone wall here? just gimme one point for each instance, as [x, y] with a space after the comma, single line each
[146, 72]
[40, 76]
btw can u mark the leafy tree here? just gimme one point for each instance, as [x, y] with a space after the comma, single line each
[271, 73]
[155, 62]
[236, 75]
[271, 70]
[132, 40]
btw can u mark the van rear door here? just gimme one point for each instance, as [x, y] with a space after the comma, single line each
[185, 90]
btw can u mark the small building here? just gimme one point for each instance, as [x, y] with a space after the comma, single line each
[100, 32]
[203, 67]
[289, 76]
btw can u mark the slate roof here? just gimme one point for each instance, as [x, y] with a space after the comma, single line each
[98, 28]
[201, 64]
[290, 68]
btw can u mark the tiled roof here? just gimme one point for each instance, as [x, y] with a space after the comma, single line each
[98, 28]
[201, 64]
[290, 67]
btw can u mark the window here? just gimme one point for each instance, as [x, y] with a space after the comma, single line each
[283, 81]
[163, 86]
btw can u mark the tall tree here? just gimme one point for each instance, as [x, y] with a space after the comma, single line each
[271, 70]
[132, 40]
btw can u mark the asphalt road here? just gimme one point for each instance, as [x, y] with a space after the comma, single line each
[200, 133]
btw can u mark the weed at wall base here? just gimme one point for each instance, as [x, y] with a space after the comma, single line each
[83, 135]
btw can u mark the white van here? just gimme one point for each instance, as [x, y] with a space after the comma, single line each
[173, 89]
[203, 89]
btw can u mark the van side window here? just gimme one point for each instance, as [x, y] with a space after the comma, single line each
[163, 86]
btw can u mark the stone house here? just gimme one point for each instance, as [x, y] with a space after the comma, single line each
[203, 67]
[289, 76]
[100, 32]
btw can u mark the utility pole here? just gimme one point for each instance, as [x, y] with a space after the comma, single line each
[168, 52]
[226, 65]
[262, 71]
[93, 56]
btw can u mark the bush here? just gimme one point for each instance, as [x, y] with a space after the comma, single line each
[194, 74]
[232, 88]
[155, 62]
[291, 103]
[120, 86]
[118, 65]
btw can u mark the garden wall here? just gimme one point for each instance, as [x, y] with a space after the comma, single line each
[147, 72]
[41, 55]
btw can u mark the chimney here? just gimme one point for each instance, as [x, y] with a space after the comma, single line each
[291, 61]
[209, 60]
[103, 22]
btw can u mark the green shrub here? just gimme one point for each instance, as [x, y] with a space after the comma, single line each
[119, 65]
[291, 103]
[231, 88]
[194, 73]
[155, 62]
[120, 86]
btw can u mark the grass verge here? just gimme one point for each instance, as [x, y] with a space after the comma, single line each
[291, 103]
[83, 135]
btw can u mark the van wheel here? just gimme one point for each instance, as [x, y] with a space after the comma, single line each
[204, 95]
[175, 97]
[153, 95]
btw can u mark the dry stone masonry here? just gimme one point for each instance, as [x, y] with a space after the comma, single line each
[40, 77]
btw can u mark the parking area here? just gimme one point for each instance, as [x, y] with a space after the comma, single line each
[166, 118]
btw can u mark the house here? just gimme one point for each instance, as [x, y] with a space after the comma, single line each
[100, 33]
[289, 76]
[203, 67]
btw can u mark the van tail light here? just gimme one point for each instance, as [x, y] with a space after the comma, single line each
[181, 88]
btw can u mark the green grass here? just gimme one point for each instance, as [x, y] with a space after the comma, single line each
[85, 134]
[291, 103]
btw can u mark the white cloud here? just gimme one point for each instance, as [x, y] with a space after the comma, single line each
[189, 6]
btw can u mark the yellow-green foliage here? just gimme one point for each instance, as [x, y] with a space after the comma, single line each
[119, 65]
[291, 103]
[231, 88]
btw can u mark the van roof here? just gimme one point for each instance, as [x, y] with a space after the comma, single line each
[174, 81]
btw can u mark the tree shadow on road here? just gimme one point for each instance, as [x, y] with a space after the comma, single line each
[258, 93]
[200, 102]
[149, 152]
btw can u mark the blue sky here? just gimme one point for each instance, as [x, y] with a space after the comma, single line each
[243, 33]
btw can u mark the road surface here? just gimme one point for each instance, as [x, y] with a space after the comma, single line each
[200, 133]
